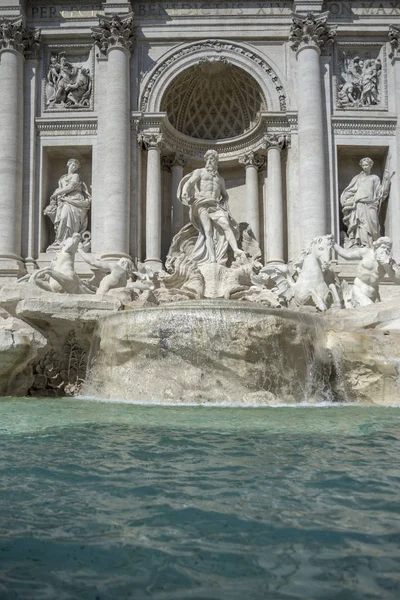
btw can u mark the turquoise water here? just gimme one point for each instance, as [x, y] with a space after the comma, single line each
[107, 501]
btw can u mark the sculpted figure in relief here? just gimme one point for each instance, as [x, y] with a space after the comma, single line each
[67, 86]
[69, 205]
[211, 230]
[359, 82]
[375, 263]
[361, 201]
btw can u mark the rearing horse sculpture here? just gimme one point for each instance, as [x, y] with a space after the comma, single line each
[313, 280]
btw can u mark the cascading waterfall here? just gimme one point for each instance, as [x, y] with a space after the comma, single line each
[211, 351]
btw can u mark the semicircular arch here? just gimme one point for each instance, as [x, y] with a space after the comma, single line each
[184, 56]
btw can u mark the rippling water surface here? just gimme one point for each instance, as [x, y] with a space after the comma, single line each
[104, 500]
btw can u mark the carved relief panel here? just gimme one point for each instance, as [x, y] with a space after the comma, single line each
[360, 70]
[68, 78]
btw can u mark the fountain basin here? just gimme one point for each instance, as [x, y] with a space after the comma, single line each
[205, 351]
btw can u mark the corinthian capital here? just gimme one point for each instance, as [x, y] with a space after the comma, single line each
[113, 31]
[394, 40]
[251, 159]
[171, 160]
[150, 140]
[311, 30]
[274, 140]
[15, 36]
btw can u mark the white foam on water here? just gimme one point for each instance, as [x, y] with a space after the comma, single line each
[159, 402]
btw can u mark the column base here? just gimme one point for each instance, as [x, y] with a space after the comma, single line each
[115, 255]
[275, 260]
[11, 266]
[154, 263]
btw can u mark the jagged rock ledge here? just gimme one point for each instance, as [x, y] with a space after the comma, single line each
[350, 355]
[45, 339]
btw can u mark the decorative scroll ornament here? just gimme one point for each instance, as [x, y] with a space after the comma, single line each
[113, 31]
[275, 141]
[311, 31]
[150, 140]
[394, 38]
[252, 159]
[15, 36]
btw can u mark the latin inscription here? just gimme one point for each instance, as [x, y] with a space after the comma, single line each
[340, 8]
[364, 9]
[64, 12]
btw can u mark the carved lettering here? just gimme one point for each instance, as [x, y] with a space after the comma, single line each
[65, 12]
[210, 9]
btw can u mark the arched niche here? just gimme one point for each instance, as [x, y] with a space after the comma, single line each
[181, 58]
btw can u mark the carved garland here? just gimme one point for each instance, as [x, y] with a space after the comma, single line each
[218, 46]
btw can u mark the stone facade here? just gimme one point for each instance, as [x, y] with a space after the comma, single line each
[292, 95]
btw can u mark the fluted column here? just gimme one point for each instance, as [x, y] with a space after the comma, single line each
[15, 42]
[308, 36]
[152, 143]
[252, 162]
[275, 225]
[114, 38]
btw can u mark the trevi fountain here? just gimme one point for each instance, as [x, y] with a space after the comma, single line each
[199, 299]
[205, 219]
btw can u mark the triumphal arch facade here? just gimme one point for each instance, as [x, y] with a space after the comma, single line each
[106, 106]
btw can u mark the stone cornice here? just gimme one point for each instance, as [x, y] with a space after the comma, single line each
[54, 127]
[363, 126]
[311, 31]
[114, 31]
[15, 36]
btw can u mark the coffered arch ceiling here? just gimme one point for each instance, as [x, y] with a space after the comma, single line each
[214, 100]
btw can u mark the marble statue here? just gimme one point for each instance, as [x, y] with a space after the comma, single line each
[117, 273]
[61, 276]
[361, 202]
[67, 86]
[375, 263]
[69, 206]
[359, 82]
[212, 230]
[312, 281]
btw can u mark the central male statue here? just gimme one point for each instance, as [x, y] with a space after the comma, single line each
[211, 229]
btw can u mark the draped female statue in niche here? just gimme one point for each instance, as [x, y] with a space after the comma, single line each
[361, 202]
[69, 205]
